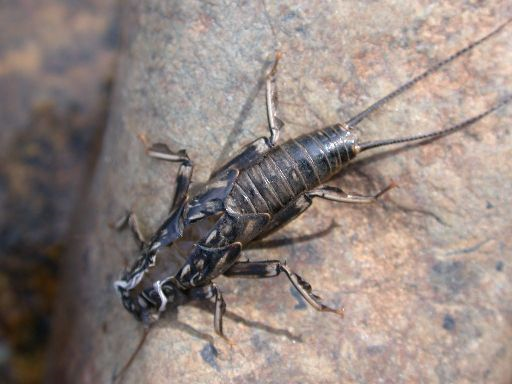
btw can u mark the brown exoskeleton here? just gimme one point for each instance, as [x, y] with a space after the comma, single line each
[261, 189]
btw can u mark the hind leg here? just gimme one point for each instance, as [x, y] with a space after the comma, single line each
[274, 123]
[272, 268]
[337, 194]
[304, 201]
[212, 293]
[252, 152]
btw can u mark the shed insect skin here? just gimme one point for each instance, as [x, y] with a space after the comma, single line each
[258, 191]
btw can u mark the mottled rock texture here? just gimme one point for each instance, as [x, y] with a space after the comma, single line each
[424, 275]
[56, 63]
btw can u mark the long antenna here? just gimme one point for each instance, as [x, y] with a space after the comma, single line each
[362, 115]
[435, 134]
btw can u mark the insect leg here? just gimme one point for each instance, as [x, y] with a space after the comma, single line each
[212, 292]
[131, 219]
[274, 123]
[172, 228]
[162, 152]
[272, 268]
[163, 298]
[287, 214]
[254, 269]
[304, 201]
[337, 194]
[211, 199]
[252, 152]
[133, 223]
[246, 157]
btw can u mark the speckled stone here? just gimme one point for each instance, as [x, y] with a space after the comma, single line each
[417, 273]
[57, 59]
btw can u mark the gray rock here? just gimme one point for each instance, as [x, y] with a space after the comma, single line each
[191, 76]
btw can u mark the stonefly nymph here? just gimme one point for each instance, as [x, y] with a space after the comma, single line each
[258, 191]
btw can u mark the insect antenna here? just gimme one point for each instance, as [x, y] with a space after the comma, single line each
[362, 115]
[435, 134]
[118, 376]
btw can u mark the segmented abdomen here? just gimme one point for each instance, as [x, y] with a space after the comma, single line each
[290, 169]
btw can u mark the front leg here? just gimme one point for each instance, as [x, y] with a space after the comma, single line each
[162, 152]
[171, 230]
[272, 268]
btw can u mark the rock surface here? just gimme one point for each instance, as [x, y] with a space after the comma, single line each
[423, 275]
[56, 64]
